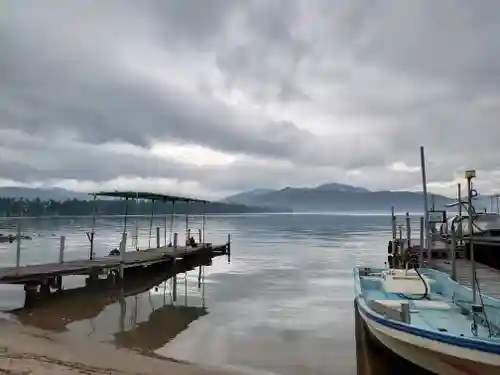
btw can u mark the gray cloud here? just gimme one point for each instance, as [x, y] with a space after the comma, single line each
[309, 91]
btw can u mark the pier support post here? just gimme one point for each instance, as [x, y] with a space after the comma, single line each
[157, 237]
[408, 229]
[123, 248]
[394, 231]
[229, 248]
[174, 279]
[185, 289]
[422, 243]
[18, 245]
[200, 239]
[469, 175]
[199, 277]
[62, 244]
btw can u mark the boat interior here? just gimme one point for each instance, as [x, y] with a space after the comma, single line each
[430, 300]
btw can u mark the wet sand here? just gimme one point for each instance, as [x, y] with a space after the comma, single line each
[27, 350]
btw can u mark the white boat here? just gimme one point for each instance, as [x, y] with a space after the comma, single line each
[424, 316]
[484, 223]
[429, 320]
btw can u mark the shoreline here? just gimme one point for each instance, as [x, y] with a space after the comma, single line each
[28, 350]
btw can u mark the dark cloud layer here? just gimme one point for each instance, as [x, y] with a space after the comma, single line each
[300, 91]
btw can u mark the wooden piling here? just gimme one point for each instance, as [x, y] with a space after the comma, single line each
[408, 229]
[174, 279]
[157, 237]
[123, 248]
[199, 277]
[62, 244]
[229, 248]
[18, 245]
[185, 289]
[394, 231]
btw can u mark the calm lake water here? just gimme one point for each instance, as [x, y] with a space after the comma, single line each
[283, 305]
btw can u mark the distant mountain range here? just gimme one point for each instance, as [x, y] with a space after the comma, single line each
[339, 198]
[332, 197]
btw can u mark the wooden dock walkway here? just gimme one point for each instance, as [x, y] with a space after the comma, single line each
[141, 258]
[488, 278]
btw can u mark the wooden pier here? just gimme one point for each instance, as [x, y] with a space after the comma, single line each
[172, 257]
[488, 278]
[41, 273]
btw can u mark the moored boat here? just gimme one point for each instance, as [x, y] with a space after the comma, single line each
[430, 320]
[422, 314]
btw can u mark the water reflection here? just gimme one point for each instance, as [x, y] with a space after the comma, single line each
[283, 305]
[162, 326]
[140, 326]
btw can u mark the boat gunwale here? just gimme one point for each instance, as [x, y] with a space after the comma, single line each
[446, 338]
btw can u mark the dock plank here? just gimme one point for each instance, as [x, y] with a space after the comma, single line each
[87, 266]
[488, 278]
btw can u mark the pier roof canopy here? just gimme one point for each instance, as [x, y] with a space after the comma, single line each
[148, 195]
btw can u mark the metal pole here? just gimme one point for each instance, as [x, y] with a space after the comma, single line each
[426, 203]
[123, 247]
[172, 215]
[123, 243]
[460, 223]
[187, 226]
[453, 252]
[157, 237]
[151, 223]
[18, 245]
[92, 233]
[394, 234]
[136, 234]
[126, 215]
[408, 229]
[174, 279]
[422, 242]
[203, 223]
[471, 232]
[165, 234]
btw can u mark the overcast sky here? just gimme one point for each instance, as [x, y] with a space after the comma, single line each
[208, 98]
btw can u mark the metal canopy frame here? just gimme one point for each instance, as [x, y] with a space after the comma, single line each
[148, 195]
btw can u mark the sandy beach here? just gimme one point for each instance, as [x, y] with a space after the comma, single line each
[26, 350]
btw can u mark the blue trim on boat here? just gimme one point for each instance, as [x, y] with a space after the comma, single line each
[463, 342]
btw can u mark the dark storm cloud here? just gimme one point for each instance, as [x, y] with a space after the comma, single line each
[394, 74]
[44, 92]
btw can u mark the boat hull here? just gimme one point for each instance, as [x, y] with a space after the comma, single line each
[439, 358]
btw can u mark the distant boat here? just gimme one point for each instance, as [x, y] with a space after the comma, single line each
[429, 319]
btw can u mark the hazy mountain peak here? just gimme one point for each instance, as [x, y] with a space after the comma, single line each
[333, 186]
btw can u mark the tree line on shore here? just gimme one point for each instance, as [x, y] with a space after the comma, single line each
[76, 207]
